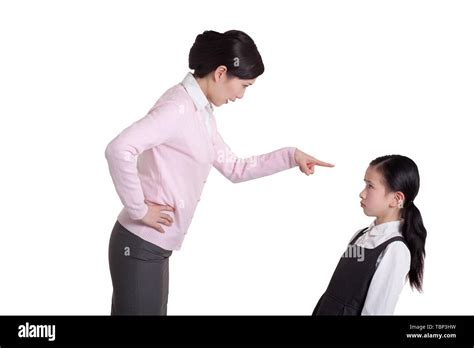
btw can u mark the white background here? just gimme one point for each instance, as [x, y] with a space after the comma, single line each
[345, 81]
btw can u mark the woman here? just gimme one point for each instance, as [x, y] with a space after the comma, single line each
[160, 163]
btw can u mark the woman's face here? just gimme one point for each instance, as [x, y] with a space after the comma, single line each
[375, 199]
[224, 87]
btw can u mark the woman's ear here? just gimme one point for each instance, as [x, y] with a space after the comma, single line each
[220, 73]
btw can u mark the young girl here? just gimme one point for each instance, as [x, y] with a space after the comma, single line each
[372, 272]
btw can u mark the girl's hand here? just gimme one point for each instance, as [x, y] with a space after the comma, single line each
[307, 162]
[155, 216]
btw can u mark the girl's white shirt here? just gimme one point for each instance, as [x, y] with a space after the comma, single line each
[392, 268]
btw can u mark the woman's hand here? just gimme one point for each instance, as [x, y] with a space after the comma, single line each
[307, 162]
[155, 216]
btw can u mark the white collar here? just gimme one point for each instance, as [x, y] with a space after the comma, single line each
[195, 92]
[386, 227]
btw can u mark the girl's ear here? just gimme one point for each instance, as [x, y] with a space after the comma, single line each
[399, 199]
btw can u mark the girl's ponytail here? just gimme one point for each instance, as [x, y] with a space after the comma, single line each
[414, 233]
[401, 174]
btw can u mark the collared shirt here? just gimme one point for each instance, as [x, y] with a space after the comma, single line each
[202, 103]
[391, 268]
[166, 156]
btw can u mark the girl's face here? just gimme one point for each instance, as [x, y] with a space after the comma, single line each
[224, 88]
[376, 200]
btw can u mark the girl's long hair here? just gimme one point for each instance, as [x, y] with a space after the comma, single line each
[401, 174]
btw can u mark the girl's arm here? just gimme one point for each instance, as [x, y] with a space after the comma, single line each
[388, 280]
[242, 169]
[159, 125]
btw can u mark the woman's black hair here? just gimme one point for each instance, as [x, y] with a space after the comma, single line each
[234, 49]
[401, 174]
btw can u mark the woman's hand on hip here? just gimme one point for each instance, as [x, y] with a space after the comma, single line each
[307, 162]
[155, 216]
